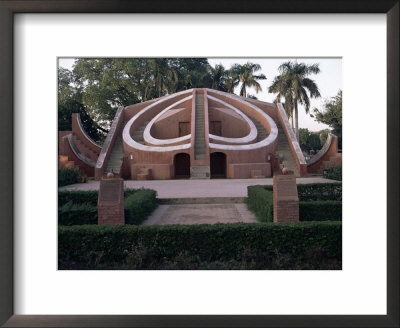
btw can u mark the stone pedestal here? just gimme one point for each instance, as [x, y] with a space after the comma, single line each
[110, 204]
[286, 199]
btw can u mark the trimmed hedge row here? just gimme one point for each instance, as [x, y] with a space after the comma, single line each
[139, 205]
[317, 202]
[91, 246]
[334, 173]
[67, 176]
[77, 214]
[320, 191]
[80, 207]
[325, 210]
[260, 202]
[84, 197]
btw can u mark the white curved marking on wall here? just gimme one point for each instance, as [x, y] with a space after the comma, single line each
[149, 139]
[323, 150]
[273, 133]
[132, 143]
[249, 138]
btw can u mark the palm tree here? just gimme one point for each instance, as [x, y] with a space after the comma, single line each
[218, 77]
[232, 81]
[293, 84]
[245, 75]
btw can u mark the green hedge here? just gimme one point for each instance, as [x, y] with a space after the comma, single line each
[139, 205]
[320, 191]
[84, 197]
[67, 176]
[260, 202]
[279, 245]
[77, 214]
[317, 202]
[326, 210]
[334, 173]
[80, 207]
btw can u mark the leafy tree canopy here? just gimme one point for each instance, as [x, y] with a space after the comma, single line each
[70, 101]
[331, 114]
[309, 140]
[108, 83]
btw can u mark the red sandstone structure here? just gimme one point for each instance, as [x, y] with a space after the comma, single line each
[110, 204]
[196, 133]
[286, 199]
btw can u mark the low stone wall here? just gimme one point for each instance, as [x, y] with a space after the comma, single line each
[158, 171]
[244, 170]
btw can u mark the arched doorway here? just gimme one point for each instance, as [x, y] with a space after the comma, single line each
[218, 165]
[182, 166]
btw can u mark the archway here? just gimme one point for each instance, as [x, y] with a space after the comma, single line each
[218, 165]
[182, 166]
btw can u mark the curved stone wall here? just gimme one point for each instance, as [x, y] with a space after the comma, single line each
[328, 156]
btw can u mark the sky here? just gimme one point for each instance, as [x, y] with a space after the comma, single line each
[329, 80]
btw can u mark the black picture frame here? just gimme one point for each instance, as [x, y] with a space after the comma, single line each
[7, 10]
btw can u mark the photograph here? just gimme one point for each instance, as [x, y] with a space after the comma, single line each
[190, 163]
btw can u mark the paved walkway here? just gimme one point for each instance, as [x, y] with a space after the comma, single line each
[195, 188]
[200, 214]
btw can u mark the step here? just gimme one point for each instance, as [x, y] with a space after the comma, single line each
[205, 200]
[200, 172]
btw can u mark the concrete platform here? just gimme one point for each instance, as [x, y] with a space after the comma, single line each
[196, 188]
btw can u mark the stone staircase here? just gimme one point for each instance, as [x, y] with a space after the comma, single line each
[199, 171]
[284, 151]
[85, 150]
[117, 155]
[261, 131]
[138, 133]
[199, 142]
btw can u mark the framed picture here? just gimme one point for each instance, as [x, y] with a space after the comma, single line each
[13, 279]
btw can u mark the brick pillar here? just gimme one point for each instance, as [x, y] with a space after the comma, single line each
[286, 199]
[110, 204]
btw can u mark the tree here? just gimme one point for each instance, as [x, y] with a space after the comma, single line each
[323, 135]
[108, 83]
[232, 81]
[69, 102]
[219, 76]
[164, 78]
[294, 85]
[246, 76]
[331, 115]
[193, 73]
[309, 140]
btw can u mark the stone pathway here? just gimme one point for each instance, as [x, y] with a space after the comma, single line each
[200, 214]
